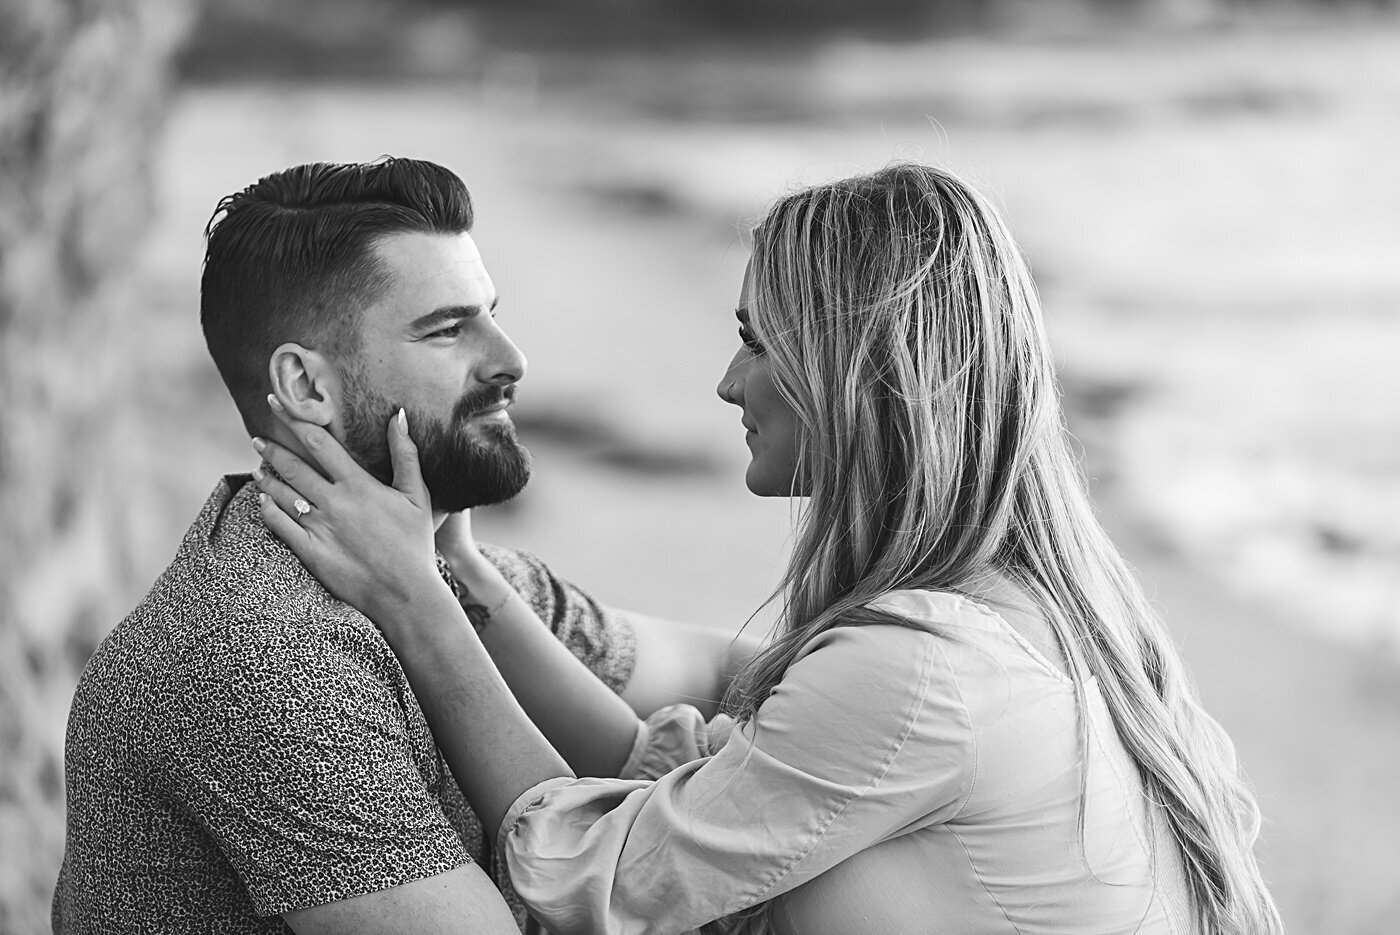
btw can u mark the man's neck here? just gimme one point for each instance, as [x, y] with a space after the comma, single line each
[284, 437]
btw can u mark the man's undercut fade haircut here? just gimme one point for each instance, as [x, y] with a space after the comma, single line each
[290, 258]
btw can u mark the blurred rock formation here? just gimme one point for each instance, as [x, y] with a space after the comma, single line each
[82, 89]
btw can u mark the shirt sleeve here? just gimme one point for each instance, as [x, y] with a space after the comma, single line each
[673, 736]
[865, 739]
[295, 757]
[601, 639]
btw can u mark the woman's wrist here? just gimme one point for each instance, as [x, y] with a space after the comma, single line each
[480, 587]
[469, 566]
[412, 604]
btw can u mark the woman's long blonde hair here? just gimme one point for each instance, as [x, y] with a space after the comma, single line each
[903, 328]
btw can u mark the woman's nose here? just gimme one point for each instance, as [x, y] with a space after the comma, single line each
[729, 388]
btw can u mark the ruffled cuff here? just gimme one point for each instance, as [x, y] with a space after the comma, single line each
[672, 737]
[532, 797]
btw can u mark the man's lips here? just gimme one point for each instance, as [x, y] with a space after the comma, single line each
[487, 403]
[500, 406]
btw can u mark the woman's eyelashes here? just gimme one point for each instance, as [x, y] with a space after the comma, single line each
[750, 340]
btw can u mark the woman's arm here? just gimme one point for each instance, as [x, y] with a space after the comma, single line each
[372, 546]
[493, 749]
[682, 663]
[854, 746]
[671, 662]
[587, 723]
[865, 739]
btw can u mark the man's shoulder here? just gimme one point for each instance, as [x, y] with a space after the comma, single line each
[522, 569]
[233, 600]
[186, 647]
[600, 637]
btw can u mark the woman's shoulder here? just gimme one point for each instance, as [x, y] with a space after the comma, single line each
[911, 626]
[875, 663]
[934, 648]
[978, 633]
[934, 610]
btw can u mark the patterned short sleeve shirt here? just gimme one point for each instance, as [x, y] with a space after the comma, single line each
[243, 744]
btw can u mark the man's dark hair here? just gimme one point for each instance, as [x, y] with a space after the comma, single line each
[290, 258]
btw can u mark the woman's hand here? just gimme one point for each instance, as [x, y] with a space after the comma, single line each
[368, 544]
[455, 540]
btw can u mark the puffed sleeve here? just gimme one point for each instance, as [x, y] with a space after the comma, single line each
[671, 737]
[866, 738]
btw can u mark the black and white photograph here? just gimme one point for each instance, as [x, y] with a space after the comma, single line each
[649, 467]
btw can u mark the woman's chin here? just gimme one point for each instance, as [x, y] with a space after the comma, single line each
[761, 484]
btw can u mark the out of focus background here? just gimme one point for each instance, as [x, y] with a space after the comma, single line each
[1207, 191]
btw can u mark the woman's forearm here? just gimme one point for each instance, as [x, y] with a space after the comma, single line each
[592, 727]
[493, 749]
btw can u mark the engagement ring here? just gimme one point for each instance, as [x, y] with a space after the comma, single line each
[302, 507]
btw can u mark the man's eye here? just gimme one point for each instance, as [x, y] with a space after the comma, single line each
[451, 331]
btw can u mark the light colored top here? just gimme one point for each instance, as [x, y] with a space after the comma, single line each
[898, 780]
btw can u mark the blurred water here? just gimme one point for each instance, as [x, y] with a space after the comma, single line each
[1213, 219]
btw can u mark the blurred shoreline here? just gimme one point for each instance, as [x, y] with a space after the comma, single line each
[1214, 236]
[1210, 214]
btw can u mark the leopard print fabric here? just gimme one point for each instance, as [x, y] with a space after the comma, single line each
[243, 744]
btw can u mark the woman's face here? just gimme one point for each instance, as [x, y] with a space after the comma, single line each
[771, 423]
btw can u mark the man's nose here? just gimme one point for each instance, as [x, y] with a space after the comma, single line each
[503, 363]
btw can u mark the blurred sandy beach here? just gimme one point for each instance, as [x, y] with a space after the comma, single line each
[1213, 221]
[1213, 217]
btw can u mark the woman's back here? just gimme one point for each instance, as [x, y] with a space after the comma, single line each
[900, 779]
[1012, 857]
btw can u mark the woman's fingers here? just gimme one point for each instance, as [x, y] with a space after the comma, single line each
[283, 526]
[329, 454]
[408, 474]
[290, 500]
[296, 473]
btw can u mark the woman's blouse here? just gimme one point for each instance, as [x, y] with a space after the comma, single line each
[928, 778]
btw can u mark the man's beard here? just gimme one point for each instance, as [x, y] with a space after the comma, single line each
[463, 465]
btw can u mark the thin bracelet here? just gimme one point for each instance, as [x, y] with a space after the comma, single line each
[496, 608]
[480, 615]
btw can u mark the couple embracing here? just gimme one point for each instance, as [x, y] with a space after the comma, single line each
[336, 711]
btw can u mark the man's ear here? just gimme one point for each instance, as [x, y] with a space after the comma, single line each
[305, 383]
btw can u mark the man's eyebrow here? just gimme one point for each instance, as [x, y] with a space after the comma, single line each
[449, 313]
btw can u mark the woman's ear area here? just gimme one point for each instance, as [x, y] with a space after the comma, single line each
[306, 383]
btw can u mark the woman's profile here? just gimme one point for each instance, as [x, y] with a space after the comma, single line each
[970, 719]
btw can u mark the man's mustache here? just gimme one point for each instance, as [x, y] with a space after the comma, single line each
[483, 398]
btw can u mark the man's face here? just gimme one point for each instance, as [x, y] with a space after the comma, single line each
[431, 345]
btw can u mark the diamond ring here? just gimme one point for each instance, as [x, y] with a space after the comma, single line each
[302, 507]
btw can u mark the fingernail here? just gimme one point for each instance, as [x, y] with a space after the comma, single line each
[259, 473]
[262, 498]
[403, 421]
[259, 445]
[275, 403]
